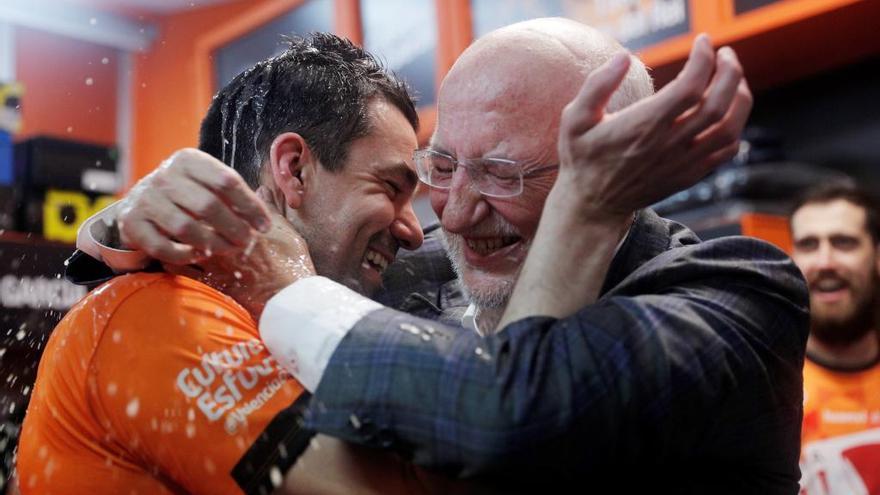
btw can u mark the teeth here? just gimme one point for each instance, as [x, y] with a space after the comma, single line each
[376, 259]
[484, 246]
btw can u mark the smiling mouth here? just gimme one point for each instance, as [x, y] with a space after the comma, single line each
[488, 245]
[376, 260]
[829, 285]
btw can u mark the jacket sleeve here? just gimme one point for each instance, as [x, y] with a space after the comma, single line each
[697, 338]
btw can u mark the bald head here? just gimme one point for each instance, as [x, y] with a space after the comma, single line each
[521, 76]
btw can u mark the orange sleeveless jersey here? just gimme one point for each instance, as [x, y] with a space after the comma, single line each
[840, 449]
[158, 384]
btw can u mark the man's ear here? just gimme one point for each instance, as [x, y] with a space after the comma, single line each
[290, 159]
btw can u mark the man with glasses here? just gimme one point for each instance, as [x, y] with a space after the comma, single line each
[630, 353]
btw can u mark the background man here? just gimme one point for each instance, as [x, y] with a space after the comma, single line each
[686, 371]
[156, 383]
[836, 234]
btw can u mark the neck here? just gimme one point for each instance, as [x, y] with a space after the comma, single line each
[856, 354]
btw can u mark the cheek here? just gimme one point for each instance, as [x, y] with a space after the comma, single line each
[438, 201]
[375, 214]
[521, 214]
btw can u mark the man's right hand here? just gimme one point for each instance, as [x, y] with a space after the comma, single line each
[189, 208]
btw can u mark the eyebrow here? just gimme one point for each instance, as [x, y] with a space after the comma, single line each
[402, 171]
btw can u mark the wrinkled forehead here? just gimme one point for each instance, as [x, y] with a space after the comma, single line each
[506, 96]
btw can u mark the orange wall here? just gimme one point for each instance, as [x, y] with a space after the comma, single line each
[166, 108]
[57, 99]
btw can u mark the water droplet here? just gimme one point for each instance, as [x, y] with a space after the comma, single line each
[89, 81]
[93, 21]
[355, 422]
[275, 476]
[237, 274]
[111, 389]
[20, 334]
[484, 355]
[117, 336]
[133, 407]
[69, 129]
[105, 60]
[218, 313]
[409, 327]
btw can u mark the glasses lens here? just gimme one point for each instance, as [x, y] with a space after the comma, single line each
[439, 169]
[500, 178]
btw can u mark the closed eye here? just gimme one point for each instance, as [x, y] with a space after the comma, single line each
[393, 188]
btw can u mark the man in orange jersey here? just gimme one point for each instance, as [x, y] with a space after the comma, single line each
[836, 233]
[157, 383]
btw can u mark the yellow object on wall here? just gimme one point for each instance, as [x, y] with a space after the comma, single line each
[64, 211]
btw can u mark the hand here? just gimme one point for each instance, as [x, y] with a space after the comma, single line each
[614, 164]
[193, 205]
[255, 273]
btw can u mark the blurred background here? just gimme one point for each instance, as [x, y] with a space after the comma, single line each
[96, 93]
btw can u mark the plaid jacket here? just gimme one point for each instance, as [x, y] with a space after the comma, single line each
[684, 377]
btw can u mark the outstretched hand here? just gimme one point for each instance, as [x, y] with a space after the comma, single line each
[616, 163]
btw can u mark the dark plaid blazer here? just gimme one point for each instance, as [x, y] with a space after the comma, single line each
[685, 376]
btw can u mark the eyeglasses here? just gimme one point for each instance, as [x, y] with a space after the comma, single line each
[495, 177]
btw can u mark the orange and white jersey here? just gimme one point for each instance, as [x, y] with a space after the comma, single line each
[156, 383]
[840, 448]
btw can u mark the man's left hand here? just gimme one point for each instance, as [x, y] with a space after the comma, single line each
[616, 163]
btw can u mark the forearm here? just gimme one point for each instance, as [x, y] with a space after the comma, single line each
[567, 261]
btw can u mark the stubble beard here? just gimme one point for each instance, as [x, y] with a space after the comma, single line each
[847, 329]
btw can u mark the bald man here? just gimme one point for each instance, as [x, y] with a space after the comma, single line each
[627, 351]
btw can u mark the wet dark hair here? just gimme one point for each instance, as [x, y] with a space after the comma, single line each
[320, 87]
[847, 191]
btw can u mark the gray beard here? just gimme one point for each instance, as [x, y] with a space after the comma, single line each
[486, 299]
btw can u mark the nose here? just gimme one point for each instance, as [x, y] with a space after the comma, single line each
[825, 258]
[407, 229]
[464, 205]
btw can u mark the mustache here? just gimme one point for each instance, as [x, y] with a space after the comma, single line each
[827, 275]
[492, 227]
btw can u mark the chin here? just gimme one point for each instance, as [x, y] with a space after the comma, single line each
[487, 291]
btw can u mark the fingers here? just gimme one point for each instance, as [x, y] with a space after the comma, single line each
[718, 99]
[164, 231]
[588, 107]
[727, 131]
[155, 244]
[687, 89]
[226, 184]
[214, 216]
